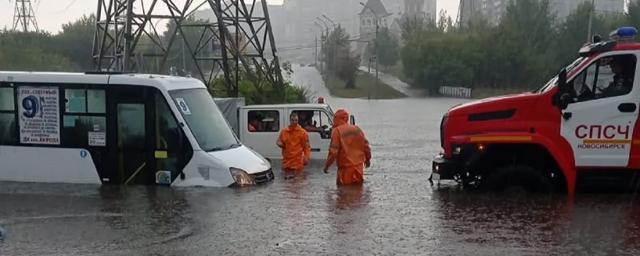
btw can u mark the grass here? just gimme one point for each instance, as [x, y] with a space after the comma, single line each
[366, 87]
[478, 93]
[398, 71]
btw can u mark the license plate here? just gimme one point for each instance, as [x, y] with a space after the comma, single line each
[435, 176]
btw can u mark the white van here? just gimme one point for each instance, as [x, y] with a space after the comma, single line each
[119, 128]
[271, 119]
[259, 126]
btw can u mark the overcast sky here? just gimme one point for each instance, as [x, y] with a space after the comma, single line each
[51, 14]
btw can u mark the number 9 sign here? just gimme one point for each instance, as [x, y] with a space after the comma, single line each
[31, 106]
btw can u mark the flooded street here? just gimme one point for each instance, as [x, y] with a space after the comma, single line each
[396, 212]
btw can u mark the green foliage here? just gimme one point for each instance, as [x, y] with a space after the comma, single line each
[388, 48]
[338, 57]
[525, 49]
[31, 52]
[70, 50]
[261, 95]
[178, 55]
[633, 14]
[366, 87]
[75, 41]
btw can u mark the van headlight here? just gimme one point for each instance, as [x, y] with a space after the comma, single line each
[241, 177]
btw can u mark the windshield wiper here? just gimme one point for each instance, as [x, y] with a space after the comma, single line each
[230, 146]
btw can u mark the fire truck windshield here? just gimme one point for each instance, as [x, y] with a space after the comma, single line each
[553, 80]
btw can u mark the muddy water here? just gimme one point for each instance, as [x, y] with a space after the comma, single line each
[396, 211]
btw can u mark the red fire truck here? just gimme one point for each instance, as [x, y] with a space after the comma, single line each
[583, 121]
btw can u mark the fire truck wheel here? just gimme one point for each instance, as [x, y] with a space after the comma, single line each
[518, 178]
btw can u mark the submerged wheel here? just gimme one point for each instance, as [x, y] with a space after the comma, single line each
[518, 178]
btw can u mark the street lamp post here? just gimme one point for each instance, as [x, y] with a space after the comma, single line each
[322, 36]
[325, 36]
[326, 25]
[330, 20]
[375, 40]
[593, 9]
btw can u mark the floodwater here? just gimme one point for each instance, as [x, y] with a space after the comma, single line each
[396, 211]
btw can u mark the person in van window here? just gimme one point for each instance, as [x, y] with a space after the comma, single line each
[254, 122]
[306, 121]
[623, 68]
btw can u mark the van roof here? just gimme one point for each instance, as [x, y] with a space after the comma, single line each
[300, 105]
[164, 82]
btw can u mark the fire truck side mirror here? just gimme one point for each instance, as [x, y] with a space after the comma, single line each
[352, 120]
[562, 80]
[565, 99]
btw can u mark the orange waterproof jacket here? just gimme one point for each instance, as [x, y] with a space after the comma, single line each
[296, 150]
[349, 145]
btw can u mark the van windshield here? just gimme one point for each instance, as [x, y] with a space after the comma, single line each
[205, 120]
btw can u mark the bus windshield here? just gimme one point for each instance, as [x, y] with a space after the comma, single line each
[205, 120]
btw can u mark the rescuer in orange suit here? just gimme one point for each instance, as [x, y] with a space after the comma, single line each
[350, 148]
[294, 142]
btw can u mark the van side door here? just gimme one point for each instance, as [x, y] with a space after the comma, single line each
[317, 123]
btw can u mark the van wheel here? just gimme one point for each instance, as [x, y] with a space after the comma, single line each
[518, 179]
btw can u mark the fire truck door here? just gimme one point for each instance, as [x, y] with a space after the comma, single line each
[599, 123]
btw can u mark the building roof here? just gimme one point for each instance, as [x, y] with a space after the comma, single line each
[377, 7]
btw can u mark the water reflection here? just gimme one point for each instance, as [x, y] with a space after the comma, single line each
[349, 197]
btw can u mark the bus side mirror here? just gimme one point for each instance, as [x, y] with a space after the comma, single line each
[352, 120]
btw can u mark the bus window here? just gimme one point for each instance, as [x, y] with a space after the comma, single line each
[96, 101]
[75, 101]
[84, 118]
[7, 117]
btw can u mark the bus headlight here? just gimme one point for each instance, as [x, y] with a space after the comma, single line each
[241, 177]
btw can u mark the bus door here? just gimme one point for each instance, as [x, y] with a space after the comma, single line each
[132, 147]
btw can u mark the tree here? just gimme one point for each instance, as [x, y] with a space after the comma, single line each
[76, 40]
[179, 55]
[525, 38]
[334, 44]
[388, 48]
[32, 51]
[339, 58]
[347, 67]
[633, 13]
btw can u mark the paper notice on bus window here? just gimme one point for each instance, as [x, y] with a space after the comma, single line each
[182, 105]
[97, 139]
[39, 110]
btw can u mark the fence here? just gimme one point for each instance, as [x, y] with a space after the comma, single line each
[458, 92]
